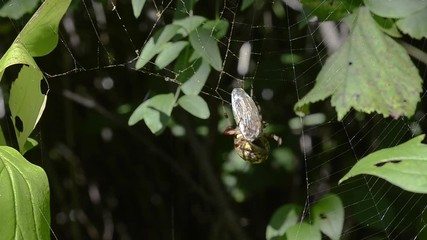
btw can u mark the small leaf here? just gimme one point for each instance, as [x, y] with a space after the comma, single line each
[195, 105]
[328, 216]
[218, 27]
[188, 24]
[204, 44]
[370, 72]
[403, 165]
[194, 85]
[156, 44]
[170, 53]
[285, 217]
[415, 25]
[137, 6]
[155, 111]
[395, 8]
[303, 231]
[24, 198]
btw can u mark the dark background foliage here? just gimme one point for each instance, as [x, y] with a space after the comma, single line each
[112, 181]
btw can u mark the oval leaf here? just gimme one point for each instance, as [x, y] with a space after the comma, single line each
[204, 44]
[195, 105]
[403, 165]
[137, 6]
[170, 53]
[328, 216]
[188, 24]
[155, 111]
[194, 85]
[24, 198]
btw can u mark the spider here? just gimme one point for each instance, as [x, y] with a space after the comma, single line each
[249, 141]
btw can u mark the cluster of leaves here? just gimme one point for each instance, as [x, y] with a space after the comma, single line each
[192, 42]
[24, 186]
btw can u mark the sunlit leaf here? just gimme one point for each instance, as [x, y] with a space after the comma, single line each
[415, 25]
[156, 44]
[28, 92]
[195, 105]
[155, 111]
[15, 9]
[395, 8]
[328, 215]
[285, 217]
[303, 231]
[189, 24]
[403, 165]
[137, 6]
[24, 198]
[370, 72]
[194, 85]
[170, 53]
[204, 44]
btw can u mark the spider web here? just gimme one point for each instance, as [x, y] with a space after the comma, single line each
[96, 82]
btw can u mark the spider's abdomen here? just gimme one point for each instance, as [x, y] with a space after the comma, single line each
[246, 114]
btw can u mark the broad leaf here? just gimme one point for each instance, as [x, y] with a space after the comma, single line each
[395, 8]
[414, 25]
[403, 165]
[156, 44]
[28, 91]
[370, 72]
[15, 9]
[204, 44]
[218, 27]
[170, 53]
[24, 198]
[284, 218]
[328, 216]
[137, 6]
[195, 105]
[303, 231]
[194, 85]
[155, 111]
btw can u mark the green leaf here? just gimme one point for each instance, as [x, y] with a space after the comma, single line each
[415, 25]
[285, 217]
[170, 53]
[327, 10]
[219, 27]
[189, 24]
[403, 165]
[137, 6]
[370, 72]
[15, 9]
[303, 231]
[156, 44]
[24, 198]
[395, 8]
[328, 215]
[27, 102]
[38, 37]
[2, 138]
[29, 144]
[155, 111]
[194, 85]
[195, 105]
[388, 26]
[204, 44]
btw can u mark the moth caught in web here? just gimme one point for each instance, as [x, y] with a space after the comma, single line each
[250, 143]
